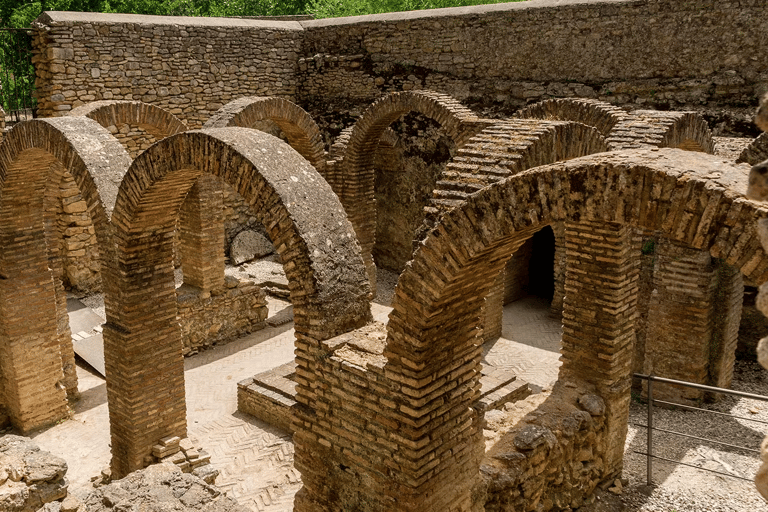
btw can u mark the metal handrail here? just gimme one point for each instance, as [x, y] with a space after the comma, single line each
[650, 428]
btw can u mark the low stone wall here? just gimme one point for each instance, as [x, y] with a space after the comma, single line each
[551, 459]
[221, 315]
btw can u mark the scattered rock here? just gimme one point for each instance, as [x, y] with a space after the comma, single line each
[160, 487]
[32, 478]
[249, 245]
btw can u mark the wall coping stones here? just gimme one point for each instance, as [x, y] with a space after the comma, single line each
[58, 17]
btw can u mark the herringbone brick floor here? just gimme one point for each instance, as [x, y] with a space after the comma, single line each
[255, 460]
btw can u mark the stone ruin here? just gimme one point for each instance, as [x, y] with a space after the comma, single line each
[117, 193]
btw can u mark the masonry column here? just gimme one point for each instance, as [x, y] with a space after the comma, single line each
[693, 317]
[599, 313]
[202, 235]
[143, 349]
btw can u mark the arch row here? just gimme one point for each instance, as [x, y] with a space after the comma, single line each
[756, 152]
[298, 126]
[599, 114]
[651, 128]
[417, 388]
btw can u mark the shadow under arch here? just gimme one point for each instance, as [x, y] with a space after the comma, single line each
[37, 346]
[432, 351]
[307, 225]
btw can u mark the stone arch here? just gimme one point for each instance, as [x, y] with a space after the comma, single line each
[354, 180]
[598, 114]
[298, 126]
[431, 351]
[307, 225]
[38, 359]
[156, 121]
[652, 128]
[756, 152]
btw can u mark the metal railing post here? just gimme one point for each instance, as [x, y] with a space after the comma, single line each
[649, 458]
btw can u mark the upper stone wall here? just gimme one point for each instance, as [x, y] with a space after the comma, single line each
[629, 52]
[636, 51]
[189, 66]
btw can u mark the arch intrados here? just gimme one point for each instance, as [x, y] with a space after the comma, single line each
[298, 126]
[302, 215]
[665, 190]
[155, 120]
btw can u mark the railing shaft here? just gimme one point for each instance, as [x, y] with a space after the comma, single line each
[649, 464]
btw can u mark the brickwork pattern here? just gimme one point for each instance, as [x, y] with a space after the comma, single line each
[304, 221]
[430, 356]
[299, 128]
[641, 128]
[598, 114]
[37, 361]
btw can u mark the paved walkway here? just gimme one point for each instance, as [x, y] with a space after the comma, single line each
[255, 460]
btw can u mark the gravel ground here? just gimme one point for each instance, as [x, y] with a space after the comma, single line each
[678, 488]
[730, 147]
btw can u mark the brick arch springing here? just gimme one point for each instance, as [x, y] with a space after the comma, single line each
[307, 225]
[354, 177]
[432, 352]
[34, 156]
[599, 114]
[298, 126]
[756, 152]
[652, 128]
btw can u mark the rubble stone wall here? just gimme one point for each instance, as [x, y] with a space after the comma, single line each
[651, 52]
[189, 66]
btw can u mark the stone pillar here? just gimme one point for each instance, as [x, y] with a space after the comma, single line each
[599, 314]
[143, 350]
[202, 235]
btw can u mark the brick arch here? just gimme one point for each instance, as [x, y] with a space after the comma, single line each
[598, 114]
[354, 182]
[298, 126]
[155, 120]
[432, 352]
[307, 225]
[652, 128]
[33, 158]
[756, 152]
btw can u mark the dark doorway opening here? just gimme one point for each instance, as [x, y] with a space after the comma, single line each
[541, 268]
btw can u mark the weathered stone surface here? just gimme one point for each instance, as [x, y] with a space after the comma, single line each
[249, 245]
[31, 477]
[593, 404]
[160, 488]
[533, 436]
